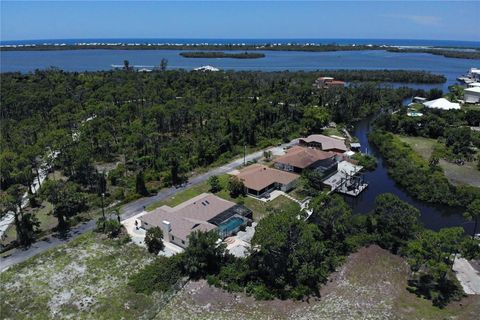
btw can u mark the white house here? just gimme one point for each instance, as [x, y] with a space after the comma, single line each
[442, 104]
[471, 95]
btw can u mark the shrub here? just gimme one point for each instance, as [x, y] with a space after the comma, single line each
[154, 240]
[159, 275]
[236, 187]
[365, 160]
[214, 183]
[112, 227]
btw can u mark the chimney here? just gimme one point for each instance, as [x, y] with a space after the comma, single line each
[166, 228]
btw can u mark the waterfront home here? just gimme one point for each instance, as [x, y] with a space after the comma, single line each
[328, 82]
[260, 180]
[204, 213]
[442, 104]
[471, 95]
[419, 99]
[300, 158]
[325, 143]
[347, 180]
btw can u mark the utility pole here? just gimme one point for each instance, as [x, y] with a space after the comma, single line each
[244, 154]
[103, 210]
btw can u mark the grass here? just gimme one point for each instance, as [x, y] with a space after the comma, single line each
[422, 146]
[86, 278]
[332, 132]
[467, 174]
[259, 208]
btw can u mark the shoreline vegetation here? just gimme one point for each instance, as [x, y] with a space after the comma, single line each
[447, 53]
[219, 54]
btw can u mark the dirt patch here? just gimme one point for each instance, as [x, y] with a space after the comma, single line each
[370, 285]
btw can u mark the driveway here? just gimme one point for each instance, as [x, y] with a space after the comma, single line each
[130, 209]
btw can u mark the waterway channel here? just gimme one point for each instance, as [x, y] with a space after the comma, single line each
[432, 216]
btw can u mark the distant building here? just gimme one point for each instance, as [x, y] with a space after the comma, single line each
[325, 143]
[206, 68]
[260, 180]
[419, 99]
[328, 82]
[300, 158]
[204, 213]
[471, 95]
[442, 104]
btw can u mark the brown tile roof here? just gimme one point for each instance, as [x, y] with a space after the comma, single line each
[301, 157]
[257, 176]
[328, 143]
[190, 216]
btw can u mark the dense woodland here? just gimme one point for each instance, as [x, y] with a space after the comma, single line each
[219, 54]
[293, 258]
[153, 129]
[456, 142]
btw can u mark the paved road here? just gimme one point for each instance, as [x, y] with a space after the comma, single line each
[131, 209]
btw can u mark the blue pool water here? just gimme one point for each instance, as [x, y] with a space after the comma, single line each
[230, 225]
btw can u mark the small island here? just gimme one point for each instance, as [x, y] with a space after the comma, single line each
[220, 54]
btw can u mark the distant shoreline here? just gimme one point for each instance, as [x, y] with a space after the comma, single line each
[462, 53]
[220, 54]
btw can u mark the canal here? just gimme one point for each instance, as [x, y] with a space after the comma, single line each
[432, 216]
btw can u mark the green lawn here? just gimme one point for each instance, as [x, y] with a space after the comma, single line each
[422, 146]
[467, 174]
[84, 279]
[259, 208]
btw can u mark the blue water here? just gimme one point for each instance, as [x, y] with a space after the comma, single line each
[94, 60]
[230, 225]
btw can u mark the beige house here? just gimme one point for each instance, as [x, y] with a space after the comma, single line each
[325, 143]
[260, 180]
[205, 212]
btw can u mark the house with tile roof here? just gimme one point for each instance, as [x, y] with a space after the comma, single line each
[203, 213]
[260, 180]
[299, 158]
[325, 143]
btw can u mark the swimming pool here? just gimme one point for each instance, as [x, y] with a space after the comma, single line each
[230, 226]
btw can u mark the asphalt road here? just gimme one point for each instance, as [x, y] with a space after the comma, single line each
[130, 209]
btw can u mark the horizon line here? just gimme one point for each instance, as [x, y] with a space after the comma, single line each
[235, 38]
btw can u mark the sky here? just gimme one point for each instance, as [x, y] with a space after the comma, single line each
[438, 20]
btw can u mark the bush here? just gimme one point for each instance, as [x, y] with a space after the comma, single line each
[154, 240]
[112, 228]
[118, 194]
[236, 187]
[365, 160]
[160, 275]
[260, 292]
[214, 183]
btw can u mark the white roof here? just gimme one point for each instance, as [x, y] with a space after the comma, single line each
[472, 90]
[441, 103]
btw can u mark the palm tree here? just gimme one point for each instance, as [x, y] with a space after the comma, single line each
[126, 65]
[473, 213]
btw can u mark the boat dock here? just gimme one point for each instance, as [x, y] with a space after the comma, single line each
[347, 180]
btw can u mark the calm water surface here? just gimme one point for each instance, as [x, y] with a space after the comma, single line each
[433, 217]
[96, 59]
